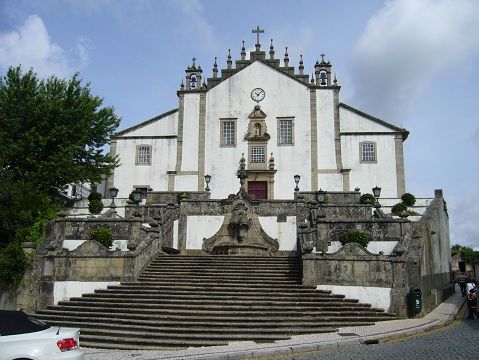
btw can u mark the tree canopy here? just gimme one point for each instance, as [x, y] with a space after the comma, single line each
[52, 131]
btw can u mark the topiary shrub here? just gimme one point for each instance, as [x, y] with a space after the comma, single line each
[355, 236]
[182, 196]
[398, 208]
[367, 199]
[95, 206]
[102, 234]
[94, 196]
[408, 199]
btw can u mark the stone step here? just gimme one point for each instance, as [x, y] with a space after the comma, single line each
[213, 272]
[217, 280]
[231, 318]
[228, 259]
[192, 326]
[208, 313]
[166, 299]
[184, 301]
[235, 288]
[204, 306]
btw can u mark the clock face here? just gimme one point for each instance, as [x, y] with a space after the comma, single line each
[257, 94]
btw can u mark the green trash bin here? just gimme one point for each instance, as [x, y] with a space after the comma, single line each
[415, 301]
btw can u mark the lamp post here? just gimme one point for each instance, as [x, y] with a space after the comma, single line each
[207, 180]
[377, 194]
[321, 197]
[137, 199]
[296, 181]
[113, 193]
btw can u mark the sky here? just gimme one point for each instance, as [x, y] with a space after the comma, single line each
[413, 63]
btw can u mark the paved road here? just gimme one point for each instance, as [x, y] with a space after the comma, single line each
[458, 341]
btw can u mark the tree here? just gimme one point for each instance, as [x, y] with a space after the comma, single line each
[52, 131]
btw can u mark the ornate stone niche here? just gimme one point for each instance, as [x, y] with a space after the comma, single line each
[241, 232]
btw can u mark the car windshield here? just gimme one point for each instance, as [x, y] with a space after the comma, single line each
[17, 322]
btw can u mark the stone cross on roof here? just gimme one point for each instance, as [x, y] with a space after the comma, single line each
[257, 31]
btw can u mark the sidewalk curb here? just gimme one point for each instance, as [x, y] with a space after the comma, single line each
[286, 350]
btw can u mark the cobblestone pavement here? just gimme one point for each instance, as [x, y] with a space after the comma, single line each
[456, 341]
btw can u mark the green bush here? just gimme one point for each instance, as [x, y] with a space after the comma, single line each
[94, 196]
[103, 235]
[182, 196]
[355, 236]
[13, 263]
[398, 208]
[95, 206]
[408, 199]
[367, 199]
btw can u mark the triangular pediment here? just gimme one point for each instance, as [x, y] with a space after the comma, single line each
[271, 64]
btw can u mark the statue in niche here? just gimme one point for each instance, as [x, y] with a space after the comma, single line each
[257, 129]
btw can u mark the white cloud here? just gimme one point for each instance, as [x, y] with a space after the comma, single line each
[464, 213]
[406, 45]
[195, 23]
[30, 46]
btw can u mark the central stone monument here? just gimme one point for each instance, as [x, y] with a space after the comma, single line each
[241, 232]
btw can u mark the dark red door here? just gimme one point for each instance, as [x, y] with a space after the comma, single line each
[258, 189]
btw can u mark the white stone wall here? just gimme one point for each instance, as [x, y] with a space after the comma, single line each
[64, 290]
[284, 98]
[190, 135]
[199, 227]
[367, 175]
[378, 297]
[325, 116]
[167, 125]
[373, 247]
[163, 158]
[284, 232]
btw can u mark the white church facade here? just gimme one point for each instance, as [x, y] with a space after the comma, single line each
[280, 120]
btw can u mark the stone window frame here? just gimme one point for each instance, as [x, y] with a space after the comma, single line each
[361, 152]
[251, 155]
[279, 121]
[223, 121]
[149, 155]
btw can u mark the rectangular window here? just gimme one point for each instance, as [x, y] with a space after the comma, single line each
[285, 132]
[143, 155]
[257, 154]
[368, 152]
[228, 132]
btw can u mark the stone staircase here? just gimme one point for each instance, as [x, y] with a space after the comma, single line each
[188, 301]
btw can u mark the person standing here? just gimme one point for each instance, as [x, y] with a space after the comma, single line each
[472, 305]
[461, 281]
[471, 285]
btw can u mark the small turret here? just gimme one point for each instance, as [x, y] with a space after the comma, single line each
[322, 71]
[271, 51]
[193, 76]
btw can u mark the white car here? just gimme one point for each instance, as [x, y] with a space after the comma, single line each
[22, 337]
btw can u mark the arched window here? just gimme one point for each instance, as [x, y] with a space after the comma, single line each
[193, 81]
[323, 78]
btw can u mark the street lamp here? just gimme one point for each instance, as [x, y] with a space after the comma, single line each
[137, 196]
[377, 194]
[296, 180]
[321, 197]
[207, 180]
[113, 194]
